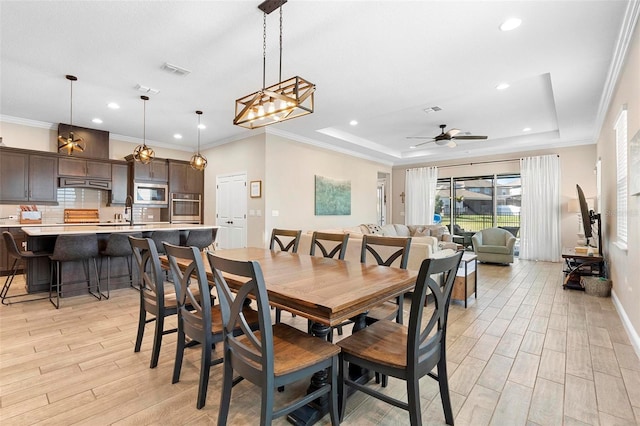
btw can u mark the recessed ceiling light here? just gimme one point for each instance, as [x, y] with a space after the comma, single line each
[502, 86]
[113, 105]
[412, 147]
[202, 126]
[510, 24]
[177, 136]
[526, 129]
[97, 121]
[353, 122]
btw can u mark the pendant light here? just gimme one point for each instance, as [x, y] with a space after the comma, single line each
[71, 143]
[284, 100]
[143, 153]
[198, 161]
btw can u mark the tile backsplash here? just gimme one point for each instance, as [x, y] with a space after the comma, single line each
[81, 198]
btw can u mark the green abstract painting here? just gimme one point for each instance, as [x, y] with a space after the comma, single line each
[333, 197]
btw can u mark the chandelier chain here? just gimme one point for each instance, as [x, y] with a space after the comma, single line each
[71, 108]
[144, 122]
[264, 49]
[198, 134]
[280, 72]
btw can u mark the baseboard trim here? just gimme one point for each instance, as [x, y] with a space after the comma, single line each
[633, 334]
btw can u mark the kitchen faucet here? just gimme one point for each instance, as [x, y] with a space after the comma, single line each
[128, 204]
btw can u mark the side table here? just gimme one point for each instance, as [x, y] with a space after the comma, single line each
[468, 270]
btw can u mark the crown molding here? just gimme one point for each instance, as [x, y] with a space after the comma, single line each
[28, 122]
[313, 142]
[625, 38]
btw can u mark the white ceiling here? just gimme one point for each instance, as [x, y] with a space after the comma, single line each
[381, 63]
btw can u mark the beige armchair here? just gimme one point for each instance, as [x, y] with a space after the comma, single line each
[494, 245]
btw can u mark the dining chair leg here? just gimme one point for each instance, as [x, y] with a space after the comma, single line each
[142, 320]
[157, 341]
[342, 389]
[205, 366]
[266, 409]
[225, 393]
[443, 382]
[333, 397]
[177, 366]
[413, 401]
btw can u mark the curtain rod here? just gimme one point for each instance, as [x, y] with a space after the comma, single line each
[481, 162]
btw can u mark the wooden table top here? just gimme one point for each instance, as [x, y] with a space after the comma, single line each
[327, 291]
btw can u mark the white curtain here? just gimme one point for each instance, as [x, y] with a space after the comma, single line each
[540, 212]
[420, 195]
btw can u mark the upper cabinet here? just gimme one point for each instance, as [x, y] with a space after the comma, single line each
[119, 184]
[77, 167]
[185, 179]
[156, 171]
[28, 177]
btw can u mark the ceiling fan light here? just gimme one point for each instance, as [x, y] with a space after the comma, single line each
[452, 144]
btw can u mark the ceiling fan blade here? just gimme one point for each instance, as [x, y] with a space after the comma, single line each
[421, 143]
[452, 132]
[469, 137]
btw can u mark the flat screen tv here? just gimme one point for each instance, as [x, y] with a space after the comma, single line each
[586, 215]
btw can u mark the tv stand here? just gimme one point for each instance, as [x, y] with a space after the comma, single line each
[578, 265]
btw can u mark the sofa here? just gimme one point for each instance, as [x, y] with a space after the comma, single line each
[494, 245]
[423, 244]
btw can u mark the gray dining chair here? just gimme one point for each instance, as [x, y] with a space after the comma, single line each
[407, 352]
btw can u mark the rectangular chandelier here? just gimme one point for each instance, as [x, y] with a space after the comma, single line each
[283, 101]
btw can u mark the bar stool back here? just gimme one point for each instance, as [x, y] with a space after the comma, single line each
[17, 256]
[171, 237]
[70, 248]
[201, 238]
[118, 246]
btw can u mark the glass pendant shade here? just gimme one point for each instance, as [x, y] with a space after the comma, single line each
[198, 161]
[143, 153]
[70, 142]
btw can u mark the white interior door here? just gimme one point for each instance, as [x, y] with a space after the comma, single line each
[231, 210]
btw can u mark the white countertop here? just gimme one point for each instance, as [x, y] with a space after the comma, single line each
[13, 224]
[35, 231]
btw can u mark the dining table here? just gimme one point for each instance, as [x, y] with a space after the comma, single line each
[324, 290]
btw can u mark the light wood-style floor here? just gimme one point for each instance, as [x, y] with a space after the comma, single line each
[525, 352]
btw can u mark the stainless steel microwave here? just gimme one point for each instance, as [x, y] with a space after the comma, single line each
[151, 194]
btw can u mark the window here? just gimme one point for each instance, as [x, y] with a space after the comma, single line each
[621, 176]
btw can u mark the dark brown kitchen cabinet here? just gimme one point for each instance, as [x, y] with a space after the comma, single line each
[185, 179]
[27, 177]
[76, 167]
[119, 184]
[155, 171]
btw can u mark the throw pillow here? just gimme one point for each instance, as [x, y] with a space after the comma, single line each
[373, 228]
[438, 232]
[421, 232]
[389, 231]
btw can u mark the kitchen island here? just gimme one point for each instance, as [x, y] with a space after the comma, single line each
[43, 238]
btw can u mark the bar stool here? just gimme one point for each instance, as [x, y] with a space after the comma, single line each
[201, 238]
[70, 248]
[17, 255]
[117, 247]
[171, 237]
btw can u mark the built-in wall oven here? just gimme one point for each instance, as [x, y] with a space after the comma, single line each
[185, 208]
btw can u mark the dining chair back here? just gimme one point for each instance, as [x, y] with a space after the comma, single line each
[387, 251]
[329, 244]
[198, 319]
[272, 356]
[285, 240]
[408, 352]
[157, 296]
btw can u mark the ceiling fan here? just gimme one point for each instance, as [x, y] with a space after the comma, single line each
[446, 138]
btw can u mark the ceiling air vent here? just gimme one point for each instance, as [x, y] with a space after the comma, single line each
[432, 109]
[175, 69]
[145, 89]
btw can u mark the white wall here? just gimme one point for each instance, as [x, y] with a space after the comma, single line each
[624, 264]
[577, 167]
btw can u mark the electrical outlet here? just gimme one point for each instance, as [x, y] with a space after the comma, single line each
[13, 217]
